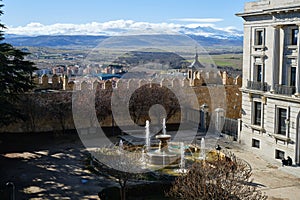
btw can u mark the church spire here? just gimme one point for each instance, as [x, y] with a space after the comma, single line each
[196, 64]
[196, 56]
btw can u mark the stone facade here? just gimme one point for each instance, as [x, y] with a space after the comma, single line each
[271, 78]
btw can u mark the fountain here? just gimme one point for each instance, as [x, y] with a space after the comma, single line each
[169, 154]
[162, 156]
[171, 158]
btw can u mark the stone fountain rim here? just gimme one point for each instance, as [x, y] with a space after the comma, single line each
[163, 136]
[165, 154]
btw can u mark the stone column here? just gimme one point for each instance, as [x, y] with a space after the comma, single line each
[298, 65]
[274, 59]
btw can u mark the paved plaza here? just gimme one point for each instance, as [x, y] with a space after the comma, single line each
[279, 183]
[54, 169]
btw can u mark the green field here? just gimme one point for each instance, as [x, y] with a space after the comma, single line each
[223, 60]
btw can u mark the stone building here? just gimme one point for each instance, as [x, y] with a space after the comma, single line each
[271, 84]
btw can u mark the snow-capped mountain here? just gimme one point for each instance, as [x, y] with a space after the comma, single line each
[91, 34]
[228, 33]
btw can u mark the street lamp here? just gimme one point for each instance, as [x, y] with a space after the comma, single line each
[204, 109]
[219, 120]
[218, 148]
[12, 192]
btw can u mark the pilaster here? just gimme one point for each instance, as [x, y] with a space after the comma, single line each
[275, 58]
[297, 93]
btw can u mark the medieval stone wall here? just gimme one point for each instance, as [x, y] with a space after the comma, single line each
[51, 111]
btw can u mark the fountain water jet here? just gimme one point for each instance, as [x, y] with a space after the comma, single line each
[164, 126]
[121, 146]
[163, 138]
[182, 161]
[147, 135]
[202, 154]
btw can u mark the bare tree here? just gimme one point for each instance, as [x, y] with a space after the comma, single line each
[103, 104]
[30, 109]
[61, 110]
[145, 97]
[227, 178]
[121, 165]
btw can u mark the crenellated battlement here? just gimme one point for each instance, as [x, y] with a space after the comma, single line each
[193, 79]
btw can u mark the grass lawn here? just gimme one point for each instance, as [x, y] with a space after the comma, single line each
[223, 60]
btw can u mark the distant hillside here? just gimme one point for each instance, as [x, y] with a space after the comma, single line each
[55, 40]
[171, 60]
[67, 41]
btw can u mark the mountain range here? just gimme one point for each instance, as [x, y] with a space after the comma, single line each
[205, 36]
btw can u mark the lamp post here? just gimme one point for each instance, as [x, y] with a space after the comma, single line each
[12, 192]
[204, 109]
[218, 148]
[219, 120]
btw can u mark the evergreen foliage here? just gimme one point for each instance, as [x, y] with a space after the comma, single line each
[15, 78]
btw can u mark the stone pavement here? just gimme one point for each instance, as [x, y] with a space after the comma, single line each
[279, 183]
[49, 168]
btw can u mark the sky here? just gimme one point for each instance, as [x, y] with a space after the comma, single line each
[34, 16]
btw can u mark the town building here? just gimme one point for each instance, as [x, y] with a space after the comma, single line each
[271, 79]
[59, 70]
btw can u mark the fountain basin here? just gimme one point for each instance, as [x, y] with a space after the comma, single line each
[163, 141]
[163, 137]
[159, 158]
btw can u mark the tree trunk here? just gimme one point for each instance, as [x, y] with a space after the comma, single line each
[123, 193]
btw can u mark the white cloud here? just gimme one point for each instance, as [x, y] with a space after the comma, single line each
[117, 27]
[198, 20]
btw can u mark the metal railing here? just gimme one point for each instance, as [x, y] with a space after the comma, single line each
[254, 85]
[284, 89]
[231, 128]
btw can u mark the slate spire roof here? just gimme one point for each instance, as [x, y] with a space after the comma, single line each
[196, 64]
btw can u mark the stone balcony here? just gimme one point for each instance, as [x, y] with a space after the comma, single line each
[285, 90]
[254, 85]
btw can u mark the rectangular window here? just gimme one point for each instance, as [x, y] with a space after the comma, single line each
[293, 76]
[259, 37]
[258, 73]
[257, 113]
[294, 39]
[281, 125]
[279, 154]
[255, 143]
[190, 75]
